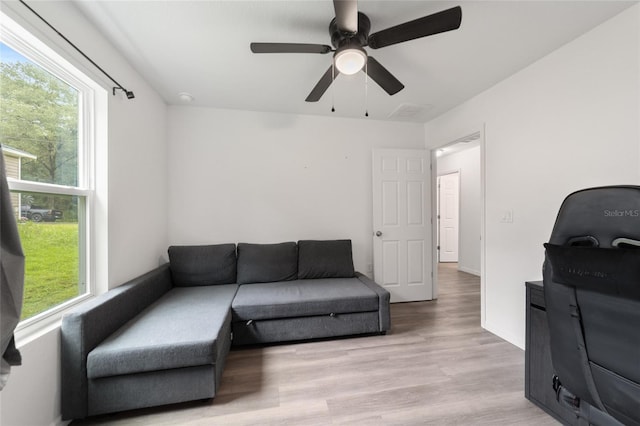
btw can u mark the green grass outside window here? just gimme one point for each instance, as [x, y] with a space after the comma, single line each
[51, 266]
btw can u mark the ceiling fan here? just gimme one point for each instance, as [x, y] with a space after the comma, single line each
[349, 32]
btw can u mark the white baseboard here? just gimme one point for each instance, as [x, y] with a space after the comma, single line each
[468, 270]
[60, 422]
[501, 332]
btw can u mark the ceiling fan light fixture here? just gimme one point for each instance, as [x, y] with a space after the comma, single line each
[350, 60]
[349, 32]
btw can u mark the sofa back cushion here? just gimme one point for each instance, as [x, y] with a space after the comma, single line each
[325, 259]
[262, 263]
[203, 265]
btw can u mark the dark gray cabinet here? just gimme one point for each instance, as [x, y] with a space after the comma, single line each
[538, 369]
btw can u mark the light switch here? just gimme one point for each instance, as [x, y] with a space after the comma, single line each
[507, 216]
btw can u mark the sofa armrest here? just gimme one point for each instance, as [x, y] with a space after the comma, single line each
[383, 297]
[84, 328]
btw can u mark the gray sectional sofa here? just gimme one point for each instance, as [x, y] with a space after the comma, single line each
[163, 337]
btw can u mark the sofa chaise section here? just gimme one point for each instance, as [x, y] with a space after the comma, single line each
[173, 351]
[161, 338]
[90, 324]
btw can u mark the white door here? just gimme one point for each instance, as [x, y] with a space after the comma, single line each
[448, 215]
[401, 225]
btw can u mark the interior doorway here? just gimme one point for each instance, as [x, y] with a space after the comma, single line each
[448, 188]
[463, 158]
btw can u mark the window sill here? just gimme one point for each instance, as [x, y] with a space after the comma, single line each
[33, 328]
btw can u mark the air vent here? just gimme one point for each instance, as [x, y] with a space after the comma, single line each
[408, 111]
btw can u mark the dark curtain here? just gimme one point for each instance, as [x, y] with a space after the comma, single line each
[12, 279]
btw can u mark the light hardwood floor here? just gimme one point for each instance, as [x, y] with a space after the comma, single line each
[436, 366]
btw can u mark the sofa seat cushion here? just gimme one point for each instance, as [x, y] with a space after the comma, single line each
[300, 298]
[183, 328]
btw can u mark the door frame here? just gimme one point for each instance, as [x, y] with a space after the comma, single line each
[443, 143]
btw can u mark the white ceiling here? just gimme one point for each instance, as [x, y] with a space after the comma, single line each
[202, 47]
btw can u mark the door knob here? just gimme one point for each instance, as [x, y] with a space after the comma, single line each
[378, 234]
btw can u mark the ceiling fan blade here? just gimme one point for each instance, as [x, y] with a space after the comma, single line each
[346, 15]
[289, 48]
[322, 85]
[440, 22]
[383, 77]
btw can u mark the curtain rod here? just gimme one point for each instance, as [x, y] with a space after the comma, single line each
[117, 86]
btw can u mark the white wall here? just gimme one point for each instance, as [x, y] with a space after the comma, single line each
[237, 176]
[466, 162]
[566, 122]
[134, 236]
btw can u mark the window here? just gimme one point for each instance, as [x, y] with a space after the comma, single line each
[47, 115]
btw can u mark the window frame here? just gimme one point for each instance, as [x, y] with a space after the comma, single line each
[89, 91]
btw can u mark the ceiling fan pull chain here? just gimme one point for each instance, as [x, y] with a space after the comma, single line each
[333, 77]
[366, 90]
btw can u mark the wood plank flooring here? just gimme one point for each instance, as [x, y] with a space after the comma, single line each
[436, 366]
